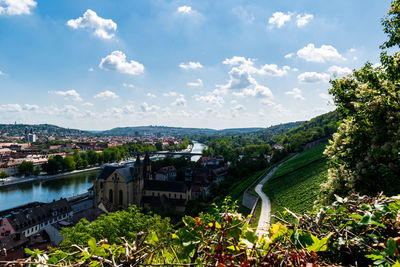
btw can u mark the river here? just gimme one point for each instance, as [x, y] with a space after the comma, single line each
[46, 191]
[66, 186]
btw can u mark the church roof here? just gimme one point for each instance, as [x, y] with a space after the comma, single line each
[128, 173]
[107, 170]
[168, 186]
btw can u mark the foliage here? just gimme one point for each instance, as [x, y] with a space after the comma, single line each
[116, 225]
[391, 25]
[364, 154]
[3, 175]
[26, 168]
[36, 171]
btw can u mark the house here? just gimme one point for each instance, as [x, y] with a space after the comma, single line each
[166, 174]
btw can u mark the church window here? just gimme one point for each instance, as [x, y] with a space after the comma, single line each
[110, 195]
[120, 197]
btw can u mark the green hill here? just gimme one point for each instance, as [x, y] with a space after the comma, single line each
[296, 184]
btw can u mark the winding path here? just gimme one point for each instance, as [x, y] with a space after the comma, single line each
[265, 216]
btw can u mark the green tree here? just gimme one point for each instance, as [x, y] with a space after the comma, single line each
[36, 171]
[159, 146]
[69, 163]
[3, 175]
[26, 168]
[364, 154]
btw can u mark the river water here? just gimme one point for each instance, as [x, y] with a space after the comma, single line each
[66, 186]
[46, 191]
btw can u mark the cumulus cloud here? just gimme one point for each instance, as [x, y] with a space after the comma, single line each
[339, 71]
[128, 85]
[147, 108]
[185, 9]
[325, 96]
[16, 7]
[90, 69]
[257, 90]
[180, 101]
[31, 107]
[151, 95]
[198, 83]
[106, 95]
[88, 104]
[278, 107]
[117, 61]
[279, 19]
[296, 92]
[324, 53]
[247, 65]
[170, 94]
[303, 20]
[210, 98]
[243, 14]
[290, 55]
[236, 109]
[103, 28]
[190, 66]
[313, 77]
[69, 94]
[10, 108]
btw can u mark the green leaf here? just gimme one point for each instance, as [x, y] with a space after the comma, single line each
[319, 245]
[251, 236]
[391, 247]
[92, 244]
[376, 255]
[366, 219]
[28, 251]
[397, 264]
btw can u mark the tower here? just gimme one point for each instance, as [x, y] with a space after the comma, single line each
[147, 167]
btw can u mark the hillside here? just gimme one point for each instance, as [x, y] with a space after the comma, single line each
[164, 130]
[39, 129]
[296, 184]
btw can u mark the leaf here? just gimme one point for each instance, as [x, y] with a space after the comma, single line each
[319, 245]
[251, 236]
[92, 244]
[376, 255]
[397, 264]
[28, 251]
[366, 219]
[391, 247]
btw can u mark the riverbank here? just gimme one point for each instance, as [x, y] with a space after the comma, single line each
[10, 181]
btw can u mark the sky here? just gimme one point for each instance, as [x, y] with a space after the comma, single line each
[95, 65]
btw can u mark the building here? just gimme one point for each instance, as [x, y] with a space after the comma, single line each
[117, 187]
[166, 174]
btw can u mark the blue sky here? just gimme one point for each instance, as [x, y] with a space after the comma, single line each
[216, 64]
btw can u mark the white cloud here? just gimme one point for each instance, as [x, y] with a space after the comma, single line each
[180, 101]
[238, 61]
[16, 7]
[296, 92]
[185, 9]
[90, 69]
[128, 85]
[151, 95]
[191, 65]
[279, 19]
[103, 28]
[210, 98]
[339, 71]
[11, 108]
[322, 54]
[233, 102]
[106, 95]
[278, 107]
[117, 61]
[313, 77]
[146, 108]
[303, 20]
[31, 107]
[199, 83]
[274, 70]
[69, 94]
[352, 50]
[290, 55]
[236, 109]
[129, 108]
[170, 94]
[87, 104]
[257, 90]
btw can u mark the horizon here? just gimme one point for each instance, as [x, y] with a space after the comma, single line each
[216, 65]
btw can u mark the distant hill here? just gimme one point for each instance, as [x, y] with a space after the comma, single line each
[39, 130]
[174, 131]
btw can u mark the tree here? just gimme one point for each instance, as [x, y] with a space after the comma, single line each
[69, 163]
[364, 153]
[36, 171]
[159, 146]
[26, 168]
[3, 175]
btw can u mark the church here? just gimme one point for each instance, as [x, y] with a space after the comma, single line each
[117, 187]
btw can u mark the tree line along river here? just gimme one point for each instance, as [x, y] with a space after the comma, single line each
[63, 187]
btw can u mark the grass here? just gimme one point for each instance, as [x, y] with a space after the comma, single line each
[296, 184]
[256, 216]
[239, 187]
